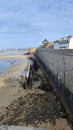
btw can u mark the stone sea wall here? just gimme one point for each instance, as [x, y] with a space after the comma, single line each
[32, 50]
[58, 65]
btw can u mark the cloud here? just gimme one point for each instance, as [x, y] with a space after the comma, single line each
[36, 19]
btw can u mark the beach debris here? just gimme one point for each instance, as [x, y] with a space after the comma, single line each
[36, 106]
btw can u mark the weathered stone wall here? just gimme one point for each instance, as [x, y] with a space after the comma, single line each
[60, 63]
[32, 50]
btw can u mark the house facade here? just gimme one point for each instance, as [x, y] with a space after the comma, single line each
[64, 43]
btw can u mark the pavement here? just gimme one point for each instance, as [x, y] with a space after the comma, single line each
[18, 128]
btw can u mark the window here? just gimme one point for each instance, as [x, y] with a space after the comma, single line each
[62, 47]
[63, 42]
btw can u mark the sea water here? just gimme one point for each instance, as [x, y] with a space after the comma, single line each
[6, 63]
[13, 52]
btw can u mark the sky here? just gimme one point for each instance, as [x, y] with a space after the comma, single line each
[26, 23]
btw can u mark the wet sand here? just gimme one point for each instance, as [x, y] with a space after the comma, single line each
[10, 81]
[13, 56]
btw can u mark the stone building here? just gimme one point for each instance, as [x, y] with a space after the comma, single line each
[47, 44]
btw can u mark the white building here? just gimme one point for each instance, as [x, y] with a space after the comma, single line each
[64, 43]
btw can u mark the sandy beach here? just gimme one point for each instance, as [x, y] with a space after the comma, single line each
[10, 81]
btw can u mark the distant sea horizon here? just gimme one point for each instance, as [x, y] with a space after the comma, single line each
[13, 51]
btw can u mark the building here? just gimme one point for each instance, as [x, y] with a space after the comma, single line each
[47, 44]
[64, 43]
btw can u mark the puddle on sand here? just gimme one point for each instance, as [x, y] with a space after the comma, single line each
[6, 63]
